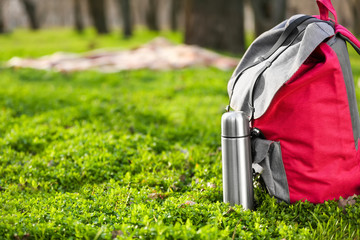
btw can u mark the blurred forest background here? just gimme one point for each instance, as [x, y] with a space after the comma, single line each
[219, 25]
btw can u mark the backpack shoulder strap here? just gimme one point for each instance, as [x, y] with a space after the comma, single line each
[348, 36]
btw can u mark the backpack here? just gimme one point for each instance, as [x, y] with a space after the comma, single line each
[295, 83]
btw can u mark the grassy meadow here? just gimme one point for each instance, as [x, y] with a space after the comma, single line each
[129, 155]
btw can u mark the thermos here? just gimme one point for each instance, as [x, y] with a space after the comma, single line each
[236, 159]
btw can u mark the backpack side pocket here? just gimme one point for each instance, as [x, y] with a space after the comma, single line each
[267, 154]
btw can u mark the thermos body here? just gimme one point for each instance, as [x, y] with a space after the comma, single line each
[236, 159]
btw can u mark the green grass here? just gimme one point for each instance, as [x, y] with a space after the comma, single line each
[96, 156]
[26, 43]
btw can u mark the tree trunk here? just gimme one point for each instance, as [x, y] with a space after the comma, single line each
[356, 17]
[176, 6]
[79, 24]
[30, 10]
[97, 10]
[126, 16]
[213, 24]
[267, 14]
[152, 15]
[2, 20]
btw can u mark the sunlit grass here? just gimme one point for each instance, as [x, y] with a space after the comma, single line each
[97, 156]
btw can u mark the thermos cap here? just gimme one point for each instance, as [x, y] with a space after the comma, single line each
[235, 124]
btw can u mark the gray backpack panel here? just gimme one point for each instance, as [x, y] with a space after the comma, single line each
[252, 88]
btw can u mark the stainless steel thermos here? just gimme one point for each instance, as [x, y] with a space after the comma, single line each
[236, 159]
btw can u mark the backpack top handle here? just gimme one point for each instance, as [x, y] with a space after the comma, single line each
[325, 6]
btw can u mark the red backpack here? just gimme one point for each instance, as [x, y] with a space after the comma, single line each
[295, 84]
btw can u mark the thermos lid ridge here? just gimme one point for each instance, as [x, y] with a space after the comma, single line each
[235, 124]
